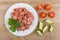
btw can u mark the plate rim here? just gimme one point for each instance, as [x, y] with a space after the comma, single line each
[7, 11]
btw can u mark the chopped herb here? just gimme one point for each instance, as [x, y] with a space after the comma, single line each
[17, 24]
[11, 21]
[12, 28]
[14, 24]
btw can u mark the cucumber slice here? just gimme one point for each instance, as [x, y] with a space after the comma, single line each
[45, 29]
[51, 29]
[39, 32]
[48, 21]
[40, 25]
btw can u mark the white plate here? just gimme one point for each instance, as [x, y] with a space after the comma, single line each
[29, 8]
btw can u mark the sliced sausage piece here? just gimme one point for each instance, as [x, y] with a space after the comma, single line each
[18, 28]
[14, 17]
[16, 14]
[21, 24]
[24, 21]
[19, 18]
[24, 9]
[21, 14]
[29, 19]
[12, 14]
[16, 10]
[30, 15]
[22, 28]
[29, 22]
[25, 17]
[20, 9]
[27, 27]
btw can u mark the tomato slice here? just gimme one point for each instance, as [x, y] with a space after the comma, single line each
[48, 7]
[40, 7]
[43, 14]
[51, 14]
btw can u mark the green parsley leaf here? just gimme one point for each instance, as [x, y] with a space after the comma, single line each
[17, 24]
[14, 24]
[12, 28]
[11, 21]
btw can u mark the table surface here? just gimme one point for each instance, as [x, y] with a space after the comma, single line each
[6, 35]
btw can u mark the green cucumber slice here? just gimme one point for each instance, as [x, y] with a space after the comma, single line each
[40, 25]
[51, 29]
[45, 29]
[39, 32]
[48, 21]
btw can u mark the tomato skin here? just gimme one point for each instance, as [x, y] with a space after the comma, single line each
[43, 14]
[48, 7]
[40, 7]
[51, 14]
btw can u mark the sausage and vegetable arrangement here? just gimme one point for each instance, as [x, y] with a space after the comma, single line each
[21, 19]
